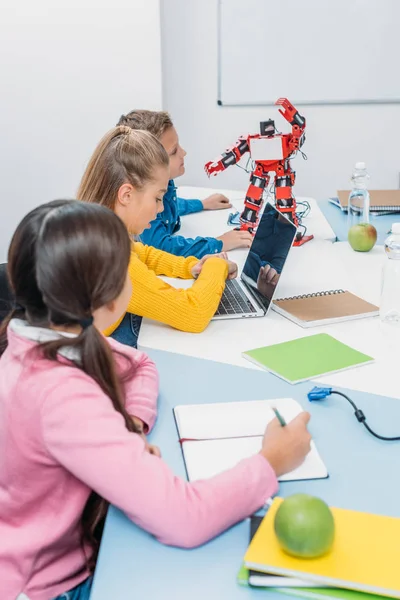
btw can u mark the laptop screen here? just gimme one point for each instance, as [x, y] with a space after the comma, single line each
[268, 253]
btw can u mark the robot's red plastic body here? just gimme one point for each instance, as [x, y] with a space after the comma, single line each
[271, 153]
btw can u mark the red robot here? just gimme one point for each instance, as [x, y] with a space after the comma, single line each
[270, 152]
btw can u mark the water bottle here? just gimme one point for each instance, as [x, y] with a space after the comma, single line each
[390, 299]
[358, 206]
[361, 234]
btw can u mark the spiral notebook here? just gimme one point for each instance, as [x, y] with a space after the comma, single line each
[386, 201]
[323, 308]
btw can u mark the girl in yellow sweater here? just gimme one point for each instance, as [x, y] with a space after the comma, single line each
[129, 173]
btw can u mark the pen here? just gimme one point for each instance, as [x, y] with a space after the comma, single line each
[279, 416]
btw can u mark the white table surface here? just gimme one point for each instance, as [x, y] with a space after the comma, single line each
[214, 223]
[316, 266]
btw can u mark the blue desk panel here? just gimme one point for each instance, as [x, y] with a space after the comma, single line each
[364, 475]
[338, 221]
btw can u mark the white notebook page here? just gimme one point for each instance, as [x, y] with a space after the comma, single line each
[235, 420]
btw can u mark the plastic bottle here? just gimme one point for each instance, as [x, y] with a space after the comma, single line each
[390, 299]
[358, 207]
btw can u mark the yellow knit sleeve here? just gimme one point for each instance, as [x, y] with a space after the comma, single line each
[164, 263]
[188, 310]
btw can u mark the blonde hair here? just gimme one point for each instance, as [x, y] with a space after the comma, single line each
[122, 156]
[157, 122]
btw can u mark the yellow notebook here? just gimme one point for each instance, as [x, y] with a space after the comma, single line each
[365, 554]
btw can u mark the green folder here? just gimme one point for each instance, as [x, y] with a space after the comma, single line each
[307, 357]
[324, 593]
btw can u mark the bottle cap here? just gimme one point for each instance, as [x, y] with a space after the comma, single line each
[396, 228]
[360, 165]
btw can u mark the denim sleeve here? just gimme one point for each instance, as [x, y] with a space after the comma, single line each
[159, 237]
[186, 207]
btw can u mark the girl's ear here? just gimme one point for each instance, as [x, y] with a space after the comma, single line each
[125, 194]
[111, 306]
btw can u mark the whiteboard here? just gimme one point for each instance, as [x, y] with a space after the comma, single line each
[310, 51]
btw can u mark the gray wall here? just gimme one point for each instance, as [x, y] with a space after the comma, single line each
[337, 136]
[68, 69]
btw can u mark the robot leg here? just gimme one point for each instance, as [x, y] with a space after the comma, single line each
[286, 204]
[253, 202]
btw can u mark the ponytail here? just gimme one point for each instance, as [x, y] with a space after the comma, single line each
[97, 361]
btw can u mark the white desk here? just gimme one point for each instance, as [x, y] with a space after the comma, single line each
[316, 266]
[214, 223]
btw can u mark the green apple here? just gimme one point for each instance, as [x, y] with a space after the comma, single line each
[362, 237]
[304, 526]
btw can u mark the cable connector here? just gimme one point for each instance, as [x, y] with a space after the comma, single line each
[360, 415]
[319, 393]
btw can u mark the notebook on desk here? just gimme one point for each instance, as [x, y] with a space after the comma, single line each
[385, 201]
[324, 308]
[215, 437]
[307, 357]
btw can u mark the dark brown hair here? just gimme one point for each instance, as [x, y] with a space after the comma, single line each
[121, 156]
[62, 267]
[157, 122]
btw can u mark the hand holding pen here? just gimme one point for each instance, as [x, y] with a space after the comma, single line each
[285, 446]
[279, 416]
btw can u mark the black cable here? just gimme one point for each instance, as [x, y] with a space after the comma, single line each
[361, 418]
[347, 398]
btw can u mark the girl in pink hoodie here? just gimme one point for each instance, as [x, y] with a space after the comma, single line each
[74, 410]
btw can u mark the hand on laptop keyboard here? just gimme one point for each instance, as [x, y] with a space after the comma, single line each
[232, 267]
[234, 301]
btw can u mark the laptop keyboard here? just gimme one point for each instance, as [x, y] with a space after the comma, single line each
[234, 301]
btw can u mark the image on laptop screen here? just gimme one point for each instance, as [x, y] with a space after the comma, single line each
[268, 253]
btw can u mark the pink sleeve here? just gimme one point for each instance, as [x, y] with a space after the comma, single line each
[84, 434]
[142, 390]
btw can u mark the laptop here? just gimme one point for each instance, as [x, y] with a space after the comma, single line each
[252, 294]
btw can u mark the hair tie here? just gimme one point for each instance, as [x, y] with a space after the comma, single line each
[85, 323]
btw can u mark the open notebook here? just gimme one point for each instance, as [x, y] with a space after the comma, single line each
[215, 437]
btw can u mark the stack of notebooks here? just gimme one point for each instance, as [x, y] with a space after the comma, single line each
[381, 201]
[362, 565]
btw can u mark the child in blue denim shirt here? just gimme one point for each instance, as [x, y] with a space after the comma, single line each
[163, 229]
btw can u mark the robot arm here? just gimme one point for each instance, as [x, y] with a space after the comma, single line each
[297, 121]
[230, 157]
[290, 113]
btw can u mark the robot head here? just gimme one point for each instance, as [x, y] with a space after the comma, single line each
[267, 128]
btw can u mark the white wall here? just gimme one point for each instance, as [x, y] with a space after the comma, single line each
[68, 69]
[337, 136]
